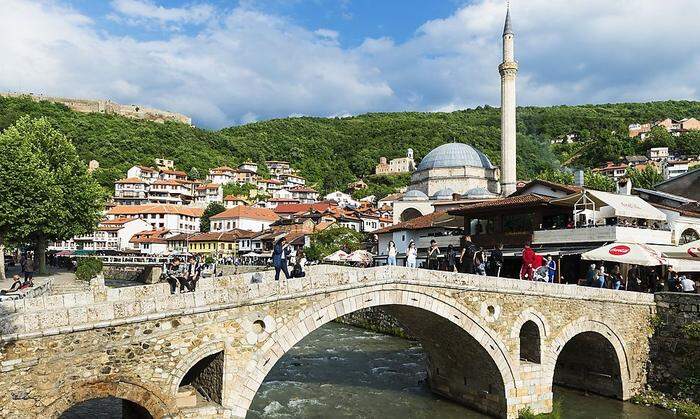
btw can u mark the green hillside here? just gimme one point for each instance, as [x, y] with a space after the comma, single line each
[334, 151]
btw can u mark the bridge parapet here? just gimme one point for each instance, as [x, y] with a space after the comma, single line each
[106, 307]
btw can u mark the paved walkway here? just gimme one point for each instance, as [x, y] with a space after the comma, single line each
[61, 277]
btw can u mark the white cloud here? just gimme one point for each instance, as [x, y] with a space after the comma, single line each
[245, 65]
[145, 10]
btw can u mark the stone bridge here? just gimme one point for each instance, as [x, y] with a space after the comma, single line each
[494, 344]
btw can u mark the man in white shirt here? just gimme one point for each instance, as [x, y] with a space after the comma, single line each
[687, 284]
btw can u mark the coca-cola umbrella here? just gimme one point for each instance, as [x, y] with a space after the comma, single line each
[632, 253]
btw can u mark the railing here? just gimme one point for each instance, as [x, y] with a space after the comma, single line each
[130, 260]
[602, 234]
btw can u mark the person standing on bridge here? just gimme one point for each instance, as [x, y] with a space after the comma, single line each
[466, 258]
[280, 254]
[391, 254]
[496, 260]
[527, 270]
[411, 255]
[433, 253]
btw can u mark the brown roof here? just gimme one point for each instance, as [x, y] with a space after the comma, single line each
[226, 236]
[295, 208]
[275, 181]
[222, 169]
[556, 186]
[207, 186]
[150, 236]
[156, 209]
[170, 182]
[174, 172]
[685, 210]
[117, 221]
[242, 211]
[234, 198]
[426, 221]
[131, 180]
[514, 201]
[147, 169]
[302, 188]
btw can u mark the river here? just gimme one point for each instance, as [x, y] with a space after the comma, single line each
[342, 371]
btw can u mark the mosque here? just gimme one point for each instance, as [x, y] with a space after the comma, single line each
[458, 171]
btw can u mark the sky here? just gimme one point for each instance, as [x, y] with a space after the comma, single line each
[232, 62]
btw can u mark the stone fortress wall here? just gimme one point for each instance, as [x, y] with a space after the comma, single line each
[139, 343]
[109, 108]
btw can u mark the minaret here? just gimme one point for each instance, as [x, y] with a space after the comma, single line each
[508, 70]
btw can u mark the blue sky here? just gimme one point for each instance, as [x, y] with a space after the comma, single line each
[232, 62]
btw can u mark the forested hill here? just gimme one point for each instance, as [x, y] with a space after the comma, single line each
[334, 151]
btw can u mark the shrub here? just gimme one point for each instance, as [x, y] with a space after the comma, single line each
[88, 268]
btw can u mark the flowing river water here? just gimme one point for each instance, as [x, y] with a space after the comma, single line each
[342, 371]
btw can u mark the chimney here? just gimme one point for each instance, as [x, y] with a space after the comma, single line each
[578, 178]
[624, 187]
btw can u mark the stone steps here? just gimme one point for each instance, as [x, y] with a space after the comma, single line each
[69, 288]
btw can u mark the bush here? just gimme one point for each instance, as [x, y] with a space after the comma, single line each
[88, 268]
[556, 413]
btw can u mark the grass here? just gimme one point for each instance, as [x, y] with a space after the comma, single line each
[556, 413]
[682, 408]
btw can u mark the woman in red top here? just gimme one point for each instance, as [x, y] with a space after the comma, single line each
[529, 260]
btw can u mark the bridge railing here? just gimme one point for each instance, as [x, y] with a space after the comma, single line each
[129, 260]
[102, 306]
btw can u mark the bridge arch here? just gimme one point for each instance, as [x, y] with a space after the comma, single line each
[289, 334]
[591, 334]
[190, 360]
[530, 317]
[141, 396]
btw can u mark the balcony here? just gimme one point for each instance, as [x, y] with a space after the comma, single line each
[602, 234]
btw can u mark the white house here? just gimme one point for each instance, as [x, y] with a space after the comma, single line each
[222, 175]
[168, 191]
[243, 218]
[148, 174]
[175, 218]
[131, 191]
[112, 235]
[253, 167]
[673, 168]
[304, 194]
[344, 200]
[151, 242]
[283, 194]
[208, 193]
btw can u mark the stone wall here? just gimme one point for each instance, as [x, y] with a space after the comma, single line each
[675, 346]
[377, 320]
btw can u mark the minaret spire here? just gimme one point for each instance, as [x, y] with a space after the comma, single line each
[508, 70]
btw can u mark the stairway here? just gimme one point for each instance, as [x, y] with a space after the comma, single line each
[69, 287]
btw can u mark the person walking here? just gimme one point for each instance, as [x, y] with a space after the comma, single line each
[391, 254]
[466, 258]
[411, 255]
[479, 262]
[451, 259]
[528, 267]
[496, 260]
[28, 268]
[280, 254]
[433, 253]
[551, 269]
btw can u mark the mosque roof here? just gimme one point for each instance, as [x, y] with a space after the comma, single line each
[454, 155]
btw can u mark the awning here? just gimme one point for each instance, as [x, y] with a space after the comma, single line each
[359, 256]
[631, 253]
[684, 265]
[689, 251]
[622, 205]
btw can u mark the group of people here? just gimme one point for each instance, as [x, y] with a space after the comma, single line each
[537, 267]
[471, 259]
[284, 256]
[638, 279]
[27, 265]
[183, 276]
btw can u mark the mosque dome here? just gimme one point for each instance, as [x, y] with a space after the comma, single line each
[454, 155]
[442, 194]
[414, 195]
[479, 193]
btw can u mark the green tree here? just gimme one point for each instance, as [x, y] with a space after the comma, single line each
[598, 182]
[645, 178]
[556, 176]
[331, 240]
[658, 137]
[194, 173]
[689, 143]
[60, 198]
[211, 210]
[238, 190]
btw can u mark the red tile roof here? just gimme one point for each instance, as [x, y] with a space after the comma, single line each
[296, 208]
[173, 172]
[150, 236]
[227, 236]
[553, 185]
[131, 180]
[510, 202]
[242, 211]
[156, 209]
[426, 221]
[208, 186]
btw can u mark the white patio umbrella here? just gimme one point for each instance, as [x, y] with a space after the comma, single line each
[632, 253]
[360, 256]
[338, 256]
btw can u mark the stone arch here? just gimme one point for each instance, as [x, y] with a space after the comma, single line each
[409, 214]
[135, 393]
[190, 360]
[535, 318]
[600, 329]
[688, 235]
[329, 309]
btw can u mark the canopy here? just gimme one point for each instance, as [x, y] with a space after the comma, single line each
[622, 205]
[689, 251]
[338, 256]
[64, 253]
[632, 253]
[684, 265]
[360, 256]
